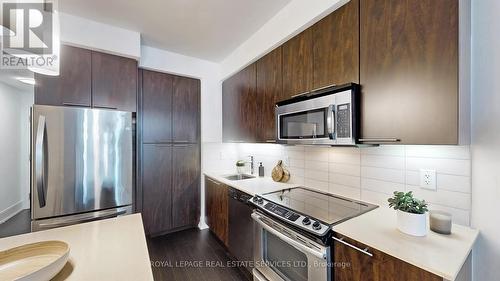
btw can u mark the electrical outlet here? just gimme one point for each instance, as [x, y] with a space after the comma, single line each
[428, 179]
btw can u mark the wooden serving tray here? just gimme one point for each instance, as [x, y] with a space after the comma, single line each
[39, 261]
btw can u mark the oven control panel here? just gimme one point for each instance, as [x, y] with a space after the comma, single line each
[304, 222]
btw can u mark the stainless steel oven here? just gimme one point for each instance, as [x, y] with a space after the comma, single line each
[327, 117]
[282, 254]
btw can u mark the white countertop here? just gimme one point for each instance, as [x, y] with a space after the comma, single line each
[112, 249]
[443, 255]
[252, 186]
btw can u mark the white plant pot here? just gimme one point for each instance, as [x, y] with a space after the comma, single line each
[412, 224]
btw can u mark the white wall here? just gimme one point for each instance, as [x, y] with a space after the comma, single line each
[92, 35]
[288, 22]
[14, 150]
[486, 137]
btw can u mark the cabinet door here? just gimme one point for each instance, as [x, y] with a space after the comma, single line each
[114, 82]
[185, 185]
[216, 196]
[378, 266]
[186, 110]
[298, 64]
[239, 106]
[269, 91]
[409, 70]
[336, 47]
[73, 85]
[157, 188]
[156, 107]
[248, 115]
[230, 101]
[209, 202]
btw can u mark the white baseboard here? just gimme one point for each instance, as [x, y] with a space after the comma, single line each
[12, 211]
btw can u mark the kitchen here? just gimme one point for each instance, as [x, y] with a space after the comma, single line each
[262, 140]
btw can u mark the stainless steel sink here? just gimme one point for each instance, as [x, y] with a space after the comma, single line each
[238, 177]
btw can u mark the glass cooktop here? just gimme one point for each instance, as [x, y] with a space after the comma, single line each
[328, 208]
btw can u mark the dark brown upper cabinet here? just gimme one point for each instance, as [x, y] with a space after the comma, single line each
[336, 47]
[73, 86]
[269, 91]
[186, 185]
[157, 188]
[186, 110]
[409, 70]
[298, 64]
[240, 116]
[156, 111]
[114, 82]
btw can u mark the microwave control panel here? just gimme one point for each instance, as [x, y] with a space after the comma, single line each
[344, 120]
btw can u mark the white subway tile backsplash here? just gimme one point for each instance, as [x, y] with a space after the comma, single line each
[388, 150]
[442, 197]
[345, 169]
[351, 181]
[316, 153]
[316, 175]
[376, 198]
[382, 161]
[457, 167]
[457, 215]
[381, 186]
[297, 163]
[383, 174]
[346, 191]
[316, 165]
[317, 184]
[438, 151]
[371, 174]
[443, 181]
[345, 158]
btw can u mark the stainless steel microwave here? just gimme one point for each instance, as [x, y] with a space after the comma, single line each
[328, 116]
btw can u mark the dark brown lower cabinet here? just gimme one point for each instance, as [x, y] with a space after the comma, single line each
[157, 188]
[354, 265]
[216, 208]
[186, 185]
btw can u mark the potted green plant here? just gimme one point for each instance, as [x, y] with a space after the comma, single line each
[411, 212]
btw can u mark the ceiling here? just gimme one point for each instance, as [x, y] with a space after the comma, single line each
[206, 29]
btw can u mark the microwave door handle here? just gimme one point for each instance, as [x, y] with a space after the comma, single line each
[40, 161]
[295, 244]
[330, 120]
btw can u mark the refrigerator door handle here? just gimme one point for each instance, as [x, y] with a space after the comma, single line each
[40, 161]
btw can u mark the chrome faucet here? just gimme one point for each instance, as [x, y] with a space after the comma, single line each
[251, 164]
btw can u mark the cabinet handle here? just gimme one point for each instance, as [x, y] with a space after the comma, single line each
[215, 182]
[75, 104]
[380, 140]
[324, 87]
[364, 251]
[237, 141]
[271, 141]
[105, 107]
[301, 94]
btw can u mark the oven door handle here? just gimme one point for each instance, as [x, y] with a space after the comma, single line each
[330, 121]
[299, 246]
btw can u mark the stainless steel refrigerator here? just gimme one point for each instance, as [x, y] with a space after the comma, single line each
[81, 165]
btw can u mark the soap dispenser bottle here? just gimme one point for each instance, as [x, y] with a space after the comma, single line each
[261, 170]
